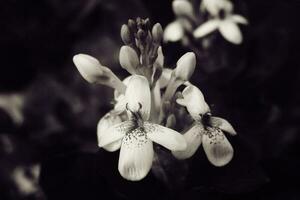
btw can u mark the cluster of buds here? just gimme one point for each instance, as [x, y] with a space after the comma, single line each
[148, 105]
[189, 21]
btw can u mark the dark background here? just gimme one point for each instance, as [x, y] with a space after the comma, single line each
[255, 86]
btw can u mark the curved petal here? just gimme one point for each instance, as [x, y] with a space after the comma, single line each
[231, 32]
[105, 122]
[138, 96]
[239, 19]
[114, 133]
[160, 58]
[217, 148]
[193, 139]
[194, 101]
[136, 155]
[223, 124]
[166, 137]
[165, 77]
[173, 32]
[183, 8]
[206, 28]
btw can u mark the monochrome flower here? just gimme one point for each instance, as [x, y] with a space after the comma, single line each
[207, 130]
[137, 133]
[227, 25]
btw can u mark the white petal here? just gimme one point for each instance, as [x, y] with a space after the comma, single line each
[239, 19]
[206, 28]
[183, 8]
[138, 96]
[231, 32]
[105, 122]
[194, 101]
[173, 32]
[165, 77]
[185, 66]
[223, 124]
[193, 139]
[217, 148]
[166, 137]
[114, 133]
[136, 155]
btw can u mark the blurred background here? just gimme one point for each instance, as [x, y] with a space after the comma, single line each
[49, 113]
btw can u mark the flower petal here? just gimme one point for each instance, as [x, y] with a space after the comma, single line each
[159, 62]
[165, 77]
[138, 96]
[105, 122]
[206, 28]
[223, 124]
[231, 32]
[173, 32]
[193, 139]
[217, 148]
[136, 155]
[183, 8]
[194, 101]
[114, 133]
[166, 137]
[239, 19]
[185, 66]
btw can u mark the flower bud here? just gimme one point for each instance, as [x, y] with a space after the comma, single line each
[185, 66]
[157, 33]
[183, 8]
[129, 59]
[88, 66]
[125, 34]
[194, 101]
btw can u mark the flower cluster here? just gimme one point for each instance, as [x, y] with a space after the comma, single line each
[148, 105]
[190, 21]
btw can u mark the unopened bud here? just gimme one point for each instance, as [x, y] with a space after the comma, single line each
[183, 8]
[171, 121]
[185, 66]
[88, 66]
[194, 101]
[157, 33]
[125, 34]
[129, 59]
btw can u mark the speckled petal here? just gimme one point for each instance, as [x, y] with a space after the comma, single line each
[166, 137]
[230, 31]
[138, 96]
[193, 139]
[114, 133]
[136, 155]
[223, 124]
[217, 148]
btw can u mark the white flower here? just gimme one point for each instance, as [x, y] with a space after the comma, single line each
[215, 6]
[137, 134]
[184, 12]
[207, 129]
[227, 26]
